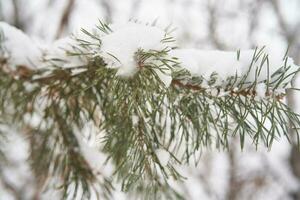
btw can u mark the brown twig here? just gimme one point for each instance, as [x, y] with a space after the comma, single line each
[24, 72]
[243, 92]
[17, 20]
[65, 18]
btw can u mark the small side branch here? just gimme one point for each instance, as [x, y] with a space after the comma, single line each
[65, 18]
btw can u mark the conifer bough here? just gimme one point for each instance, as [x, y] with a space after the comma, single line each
[148, 106]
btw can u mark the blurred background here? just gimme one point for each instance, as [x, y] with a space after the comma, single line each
[266, 174]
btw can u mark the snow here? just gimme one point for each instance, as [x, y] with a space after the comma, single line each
[89, 146]
[225, 64]
[218, 61]
[135, 120]
[214, 92]
[21, 50]
[165, 77]
[16, 171]
[261, 90]
[163, 156]
[18, 48]
[204, 63]
[58, 53]
[120, 46]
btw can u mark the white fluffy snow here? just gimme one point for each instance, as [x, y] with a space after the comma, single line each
[16, 171]
[18, 48]
[204, 63]
[228, 63]
[261, 90]
[192, 23]
[165, 77]
[89, 146]
[163, 156]
[120, 46]
[58, 53]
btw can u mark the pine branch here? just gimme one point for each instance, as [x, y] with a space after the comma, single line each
[138, 114]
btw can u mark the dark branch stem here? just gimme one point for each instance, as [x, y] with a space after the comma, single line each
[244, 92]
[65, 18]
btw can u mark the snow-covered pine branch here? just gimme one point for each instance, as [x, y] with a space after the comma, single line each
[153, 104]
[119, 45]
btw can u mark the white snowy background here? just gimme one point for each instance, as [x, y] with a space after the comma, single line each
[204, 24]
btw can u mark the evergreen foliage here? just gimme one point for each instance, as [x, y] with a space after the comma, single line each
[135, 117]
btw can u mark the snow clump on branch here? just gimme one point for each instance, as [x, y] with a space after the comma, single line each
[17, 48]
[120, 46]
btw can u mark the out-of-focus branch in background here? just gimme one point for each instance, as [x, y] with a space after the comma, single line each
[65, 18]
[291, 35]
[213, 24]
[106, 4]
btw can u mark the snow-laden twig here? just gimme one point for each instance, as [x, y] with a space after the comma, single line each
[154, 104]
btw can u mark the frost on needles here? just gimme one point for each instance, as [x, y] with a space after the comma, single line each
[151, 105]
